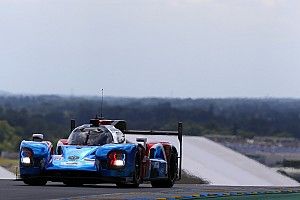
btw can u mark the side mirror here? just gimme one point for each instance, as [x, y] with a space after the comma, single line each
[37, 137]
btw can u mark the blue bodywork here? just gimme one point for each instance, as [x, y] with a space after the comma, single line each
[79, 161]
[92, 154]
[98, 152]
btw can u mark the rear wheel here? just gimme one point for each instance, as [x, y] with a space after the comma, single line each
[35, 181]
[172, 173]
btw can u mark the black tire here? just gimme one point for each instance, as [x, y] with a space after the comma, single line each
[136, 174]
[172, 173]
[35, 181]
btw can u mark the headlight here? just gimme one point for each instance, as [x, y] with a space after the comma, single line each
[119, 163]
[116, 159]
[25, 160]
[26, 157]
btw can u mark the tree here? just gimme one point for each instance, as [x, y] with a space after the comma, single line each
[9, 140]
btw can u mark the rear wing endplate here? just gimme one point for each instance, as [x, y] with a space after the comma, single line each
[177, 133]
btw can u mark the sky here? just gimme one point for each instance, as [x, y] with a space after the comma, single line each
[151, 48]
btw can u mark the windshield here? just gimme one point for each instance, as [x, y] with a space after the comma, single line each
[92, 136]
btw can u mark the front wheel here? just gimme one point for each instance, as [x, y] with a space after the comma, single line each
[35, 182]
[136, 174]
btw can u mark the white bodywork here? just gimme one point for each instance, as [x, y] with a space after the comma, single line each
[118, 136]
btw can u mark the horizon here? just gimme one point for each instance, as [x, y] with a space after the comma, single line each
[10, 94]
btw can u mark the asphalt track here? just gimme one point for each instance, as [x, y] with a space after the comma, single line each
[15, 190]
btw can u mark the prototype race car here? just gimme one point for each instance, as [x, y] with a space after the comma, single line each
[99, 153]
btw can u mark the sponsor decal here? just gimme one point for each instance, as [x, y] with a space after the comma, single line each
[57, 157]
[69, 163]
[73, 158]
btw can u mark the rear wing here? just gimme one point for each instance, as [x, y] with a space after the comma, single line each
[177, 133]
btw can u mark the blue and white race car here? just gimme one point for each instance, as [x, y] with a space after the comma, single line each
[99, 153]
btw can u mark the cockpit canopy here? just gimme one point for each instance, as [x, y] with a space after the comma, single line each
[95, 136]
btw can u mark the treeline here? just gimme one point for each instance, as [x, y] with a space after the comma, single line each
[20, 116]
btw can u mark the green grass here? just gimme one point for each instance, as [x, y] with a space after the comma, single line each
[291, 196]
[187, 178]
[9, 164]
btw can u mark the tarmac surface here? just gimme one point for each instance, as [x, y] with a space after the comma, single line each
[16, 190]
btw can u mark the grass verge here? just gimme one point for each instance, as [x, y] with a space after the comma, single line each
[9, 164]
[187, 178]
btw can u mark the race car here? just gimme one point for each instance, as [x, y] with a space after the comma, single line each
[98, 152]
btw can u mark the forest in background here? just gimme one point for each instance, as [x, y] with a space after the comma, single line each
[20, 116]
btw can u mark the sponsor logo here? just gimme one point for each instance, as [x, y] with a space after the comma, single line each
[69, 163]
[57, 157]
[73, 157]
[156, 165]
